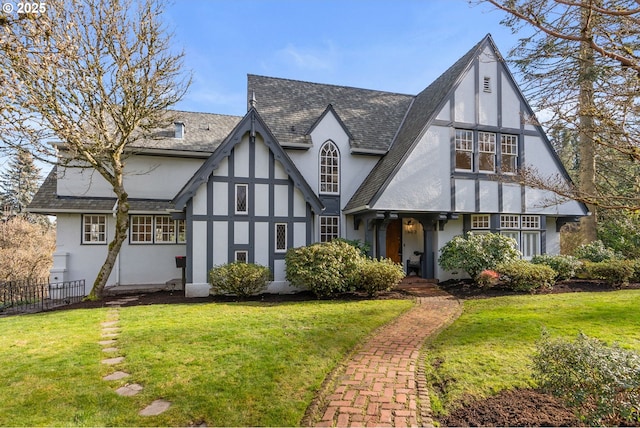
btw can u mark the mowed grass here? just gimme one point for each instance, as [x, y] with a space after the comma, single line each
[241, 364]
[489, 347]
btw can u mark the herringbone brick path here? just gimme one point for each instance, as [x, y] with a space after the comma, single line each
[381, 384]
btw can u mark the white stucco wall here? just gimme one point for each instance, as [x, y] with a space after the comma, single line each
[149, 177]
[136, 264]
[488, 101]
[452, 229]
[465, 99]
[423, 181]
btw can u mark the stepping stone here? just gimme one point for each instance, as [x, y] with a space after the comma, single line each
[107, 342]
[112, 361]
[129, 390]
[110, 350]
[155, 408]
[110, 329]
[109, 323]
[109, 334]
[116, 376]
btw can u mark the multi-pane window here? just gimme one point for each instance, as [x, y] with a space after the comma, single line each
[94, 229]
[464, 150]
[182, 231]
[281, 237]
[525, 230]
[329, 228]
[531, 222]
[160, 229]
[329, 168]
[241, 256]
[509, 149]
[487, 151]
[508, 221]
[142, 229]
[530, 244]
[480, 221]
[242, 193]
[165, 229]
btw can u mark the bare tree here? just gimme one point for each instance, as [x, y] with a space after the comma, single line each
[580, 64]
[96, 75]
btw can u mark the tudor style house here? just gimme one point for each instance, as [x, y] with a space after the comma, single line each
[311, 162]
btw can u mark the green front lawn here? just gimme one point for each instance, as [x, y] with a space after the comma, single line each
[489, 347]
[223, 364]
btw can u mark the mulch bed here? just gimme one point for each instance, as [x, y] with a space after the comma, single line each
[523, 407]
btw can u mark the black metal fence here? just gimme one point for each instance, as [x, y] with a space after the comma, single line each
[38, 295]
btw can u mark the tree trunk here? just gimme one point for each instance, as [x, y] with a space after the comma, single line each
[122, 226]
[586, 134]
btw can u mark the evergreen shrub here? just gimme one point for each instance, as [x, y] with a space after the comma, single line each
[595, 252]
[474, 253]
[521, 275]
[616, 273]
[375, 276]
[239, 278]
[565, 266]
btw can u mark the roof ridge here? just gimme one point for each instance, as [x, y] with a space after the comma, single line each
[204, 112]
[330, 85]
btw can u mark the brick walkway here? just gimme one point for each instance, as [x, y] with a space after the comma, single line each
[382, 384]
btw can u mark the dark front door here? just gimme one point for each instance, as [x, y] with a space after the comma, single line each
[394, 240]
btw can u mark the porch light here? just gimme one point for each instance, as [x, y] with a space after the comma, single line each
[410, 227]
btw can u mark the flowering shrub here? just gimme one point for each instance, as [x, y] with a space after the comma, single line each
[474, 253]
[521, 275]
[565, 266]
[487, 278]
[325, 269]
[595, 252]
[378, 275]
[241, 279]
[601, 382]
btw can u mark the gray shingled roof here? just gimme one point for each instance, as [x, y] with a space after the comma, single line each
[291, 108]
[47, 201]
[203, 132]
[425, 106]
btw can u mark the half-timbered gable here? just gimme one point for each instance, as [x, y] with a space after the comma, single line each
[248, 202]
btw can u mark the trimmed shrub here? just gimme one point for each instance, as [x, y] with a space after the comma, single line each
[602, 383]
[363, 247]
[614, 272]
[595, 252]
[474, 253]
[325, 269]
[521, 275]
[636, 270]
[378, 275]
[239, 278]
[565, 266]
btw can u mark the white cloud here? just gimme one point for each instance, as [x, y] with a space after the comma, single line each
[323, 58]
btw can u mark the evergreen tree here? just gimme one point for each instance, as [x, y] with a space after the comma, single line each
[20, 182]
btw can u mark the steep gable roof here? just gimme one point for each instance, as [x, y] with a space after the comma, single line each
[422, 111]
[251, 122]
[291, 108]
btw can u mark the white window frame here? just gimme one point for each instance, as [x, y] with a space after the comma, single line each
[464, 145]
[510, 221]
[486, 150]
[280, 248]
[329, 169]
[181, 231]
[134, 229]
[238, 254]
[530, 243]
[328, 221]
[246, 199]
[480, 222]
[509, 152]
[530, 222]
[94, 226]
[164, 230]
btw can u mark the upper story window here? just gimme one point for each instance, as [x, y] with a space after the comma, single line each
[94, 229]
[329, 168]
[482, 148]
[242, 193]
[486, 151]
[464, 150]
[509, 148]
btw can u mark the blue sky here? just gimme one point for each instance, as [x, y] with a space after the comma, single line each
[390, 45]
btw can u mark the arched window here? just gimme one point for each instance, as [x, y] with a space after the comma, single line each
[329, 168]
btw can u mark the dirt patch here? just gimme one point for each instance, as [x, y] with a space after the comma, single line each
[514, 408]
